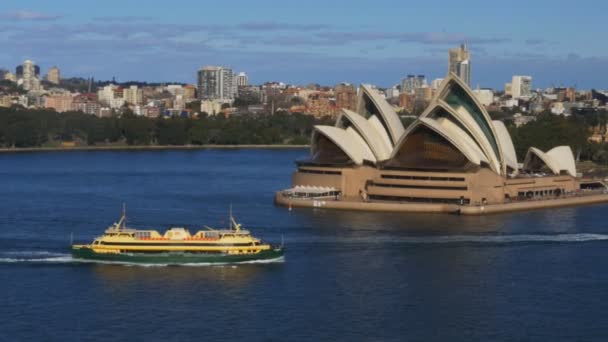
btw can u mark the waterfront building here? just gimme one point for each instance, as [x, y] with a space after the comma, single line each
[53, 75]
[460, 63]
[216, 83]
[521, 87]
[453, 157]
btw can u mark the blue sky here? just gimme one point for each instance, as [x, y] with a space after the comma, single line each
[556, 42]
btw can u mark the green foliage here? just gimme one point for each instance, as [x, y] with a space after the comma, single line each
[33, 128]
[549, 131]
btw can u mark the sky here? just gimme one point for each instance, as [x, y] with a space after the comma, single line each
[558, 43]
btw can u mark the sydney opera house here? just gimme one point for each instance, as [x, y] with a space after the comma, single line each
[453, 158]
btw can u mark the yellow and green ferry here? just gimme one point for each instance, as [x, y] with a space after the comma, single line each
[176, 246]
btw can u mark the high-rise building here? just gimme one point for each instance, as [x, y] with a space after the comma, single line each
[242, 80]
[216, 83]
[460, 63]
[521, 86]
[53, 75]
[411, 82]
[27, 75]
[19, 69]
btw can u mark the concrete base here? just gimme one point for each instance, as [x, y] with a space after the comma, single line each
[359, 204]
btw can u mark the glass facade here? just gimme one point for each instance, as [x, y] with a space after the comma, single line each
[426, 149]
[326, 152]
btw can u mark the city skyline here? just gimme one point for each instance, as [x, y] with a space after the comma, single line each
[354, 42]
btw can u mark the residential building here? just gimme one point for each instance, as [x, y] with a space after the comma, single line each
[112, 96]
[436, 83]
[242, 80]
[86, 103]
[133, 95]
[53, 75]
[521, 87]
[412, 82]
[6, 101]
[392, 92]
[460, 63]
[27, 75]
[61, 102]
[485, 96]
[211, 107]
[216, 83]
[9, 76]
[346, 96]
[321, 103]
[424, 93]
[189, 92]
[509, 89]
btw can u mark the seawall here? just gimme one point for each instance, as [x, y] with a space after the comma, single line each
[357, 204]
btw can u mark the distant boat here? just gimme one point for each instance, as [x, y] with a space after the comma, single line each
[176, 245]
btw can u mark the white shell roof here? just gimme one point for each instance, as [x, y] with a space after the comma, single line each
[349, 141]
[370, 133]
[387, 112]
[508, 150]
[557, 159]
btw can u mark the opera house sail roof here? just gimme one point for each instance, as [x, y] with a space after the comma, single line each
[453, 157]
[455, 132]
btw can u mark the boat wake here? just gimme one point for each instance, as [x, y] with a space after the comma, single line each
[47, 257]
[35, 257]
[455, 239]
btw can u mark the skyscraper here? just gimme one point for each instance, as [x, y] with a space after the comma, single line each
[53, 75]
[460, 63]
[216, 83]
[27, 75]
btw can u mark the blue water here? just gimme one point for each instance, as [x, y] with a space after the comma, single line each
[347, 276]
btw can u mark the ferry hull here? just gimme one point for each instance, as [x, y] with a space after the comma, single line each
[84, 253]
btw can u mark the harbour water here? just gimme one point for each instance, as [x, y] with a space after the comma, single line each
[350, 276]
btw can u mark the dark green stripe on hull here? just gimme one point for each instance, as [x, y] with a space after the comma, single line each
[175, 258]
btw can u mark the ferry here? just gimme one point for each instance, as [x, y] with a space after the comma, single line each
[176, 246]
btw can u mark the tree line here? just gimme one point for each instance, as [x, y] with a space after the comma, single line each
[35, 128]
[21, 127]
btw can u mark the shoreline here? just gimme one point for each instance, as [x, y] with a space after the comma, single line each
[147, 148]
